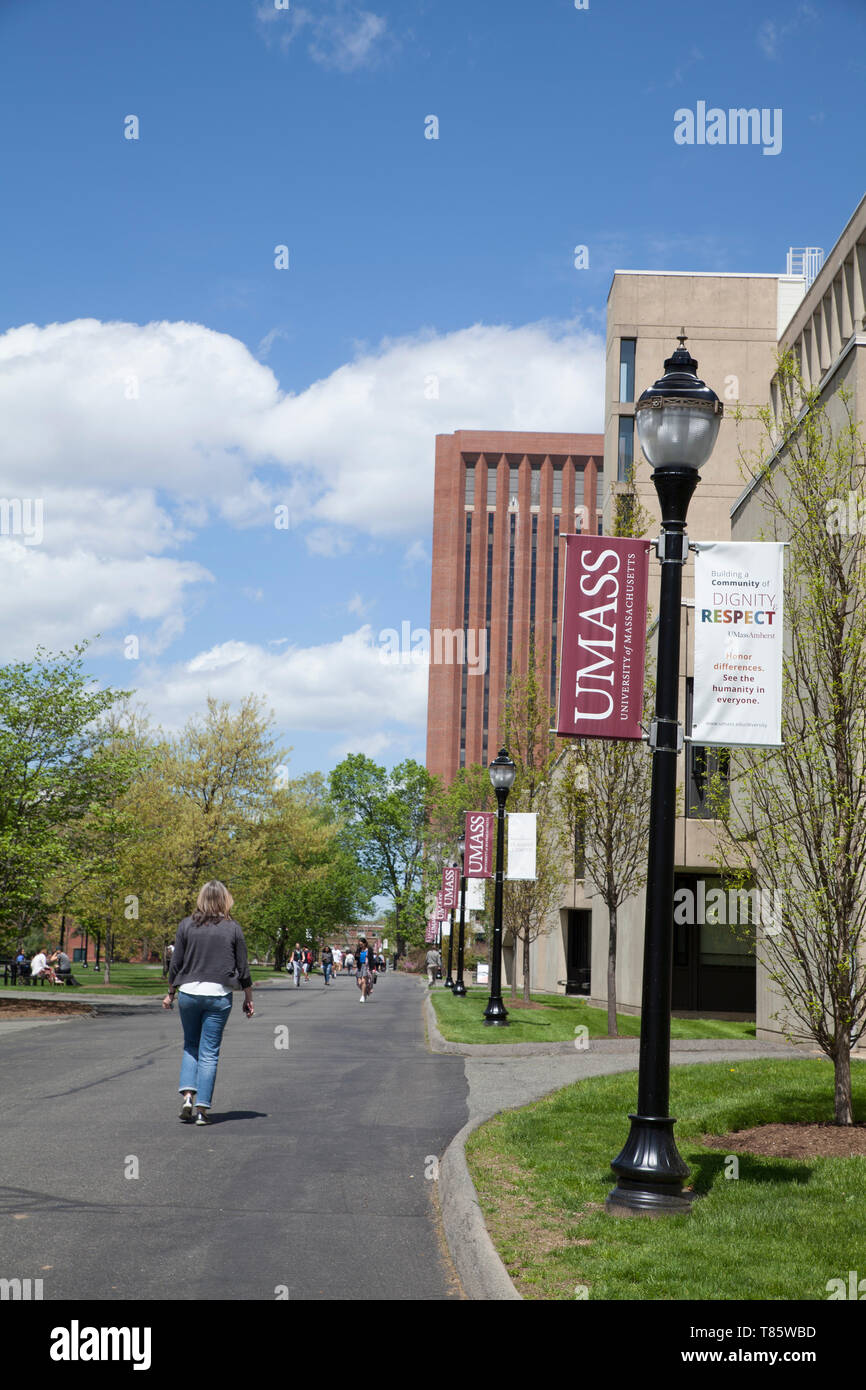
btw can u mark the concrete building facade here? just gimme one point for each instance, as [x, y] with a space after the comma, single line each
[737, 327]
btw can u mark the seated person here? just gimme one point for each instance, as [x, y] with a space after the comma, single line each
[63, 967]
[40, 969]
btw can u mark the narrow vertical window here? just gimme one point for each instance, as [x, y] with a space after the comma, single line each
[535, 486]
[512, 532]
[532, 573]
[490, 519]
[557, 486]
[467, 570]
[469, 492]
[492, 471]
[625, 454]
[555, 610]
[626, 368]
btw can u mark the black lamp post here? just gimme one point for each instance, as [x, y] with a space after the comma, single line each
[677, 422]
[459, 989]
[502, 774]
[449, 983]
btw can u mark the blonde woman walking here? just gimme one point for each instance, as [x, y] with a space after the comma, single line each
[210, 955]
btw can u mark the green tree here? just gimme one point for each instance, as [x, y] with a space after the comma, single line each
[55, 770]
[794, 823]
[386, 816]
[302, 881]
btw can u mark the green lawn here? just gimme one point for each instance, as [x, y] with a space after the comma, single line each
[462, 1020]
[781, 1230]
[125, 979]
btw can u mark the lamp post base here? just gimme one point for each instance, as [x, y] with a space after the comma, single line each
[449, 983]
[650, 1171]
[496, 1014]
[459, 989]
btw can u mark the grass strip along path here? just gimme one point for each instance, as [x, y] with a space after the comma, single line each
[144, 980]
[462, 1020]
[780, 1230]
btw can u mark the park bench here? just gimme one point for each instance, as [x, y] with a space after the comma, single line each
[13, 973]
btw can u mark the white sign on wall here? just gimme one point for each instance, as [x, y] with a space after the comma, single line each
[738, 644]
[521, 844]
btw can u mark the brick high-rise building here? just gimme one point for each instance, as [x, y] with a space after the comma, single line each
[502, 502]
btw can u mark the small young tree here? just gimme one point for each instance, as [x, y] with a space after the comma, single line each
[794, 823]
[528, 904]
[603, 795]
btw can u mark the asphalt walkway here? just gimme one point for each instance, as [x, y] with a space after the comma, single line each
[311, 1179]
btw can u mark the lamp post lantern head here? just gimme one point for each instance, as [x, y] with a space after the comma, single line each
[502, 772]
[678, 417]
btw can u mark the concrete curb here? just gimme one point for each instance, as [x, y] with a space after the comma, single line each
[476, 1259]
[479, 1268]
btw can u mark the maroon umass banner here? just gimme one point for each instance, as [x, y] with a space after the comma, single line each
[601, 669]
[478, 850]
[450, 886]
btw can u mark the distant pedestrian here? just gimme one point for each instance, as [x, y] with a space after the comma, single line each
[297, 962]
[366, 975]
[210, 956]
[350, 962]
[338, 960]
[308, 963]
[327, 963]
[433, 962]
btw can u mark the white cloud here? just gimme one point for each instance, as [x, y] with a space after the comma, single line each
[136, 437]
[340, 33]
[343, 687]
[267, 342]
[357, 606]
[356, 447]
[772, 35]
[56, 600]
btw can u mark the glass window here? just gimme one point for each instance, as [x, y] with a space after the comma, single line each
[625, 455]
[491, 484]
[626, 368]
[535, 494]
[469, 498]
[513, 480]
[707, 769]
[557, 485]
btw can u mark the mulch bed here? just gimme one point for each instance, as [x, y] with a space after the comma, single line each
[794, 1141]
[23, 1008]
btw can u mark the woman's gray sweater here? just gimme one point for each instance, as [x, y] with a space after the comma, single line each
[213, 951]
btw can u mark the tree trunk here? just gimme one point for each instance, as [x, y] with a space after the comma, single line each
[280, 950]
[514, 967]
[842, 1077]
[106, 978]
[526, 997]
[611, 973]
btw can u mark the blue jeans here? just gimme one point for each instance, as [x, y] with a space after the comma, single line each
[203, 1017]
[326, 971]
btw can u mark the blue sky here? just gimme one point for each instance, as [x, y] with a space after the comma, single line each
[174, 387]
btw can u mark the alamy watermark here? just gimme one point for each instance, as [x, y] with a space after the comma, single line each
[444, 647]
[738, 125]
[736, 907]
[846, 516]
[22, 516]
